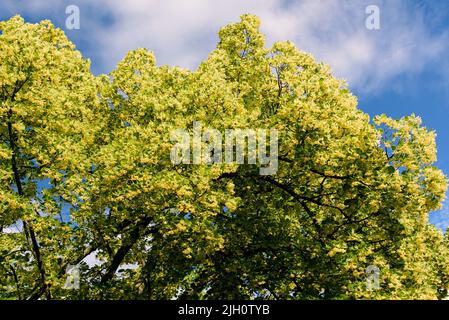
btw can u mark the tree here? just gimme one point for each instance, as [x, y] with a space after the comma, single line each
[47, 100]
[349, 193]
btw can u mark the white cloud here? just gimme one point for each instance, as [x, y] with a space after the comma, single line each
[14, 228]
[184, 32]
[91, 260]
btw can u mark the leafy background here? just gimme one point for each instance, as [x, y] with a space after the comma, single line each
[399, 69]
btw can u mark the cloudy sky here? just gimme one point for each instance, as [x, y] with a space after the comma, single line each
[399, 69]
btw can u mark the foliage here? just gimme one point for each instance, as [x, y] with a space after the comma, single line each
[349, 193]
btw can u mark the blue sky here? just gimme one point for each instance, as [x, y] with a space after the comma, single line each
[401, 68]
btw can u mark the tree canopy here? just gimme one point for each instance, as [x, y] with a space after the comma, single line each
[85, 171]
